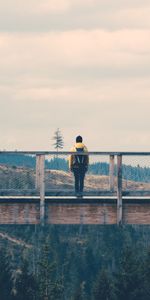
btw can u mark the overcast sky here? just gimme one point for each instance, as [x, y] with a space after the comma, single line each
[80, 65]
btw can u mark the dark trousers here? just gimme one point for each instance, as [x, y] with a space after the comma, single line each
[79, 175]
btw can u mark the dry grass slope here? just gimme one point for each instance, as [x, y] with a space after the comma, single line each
[24, 178]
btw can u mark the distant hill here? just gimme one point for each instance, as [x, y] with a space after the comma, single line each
[137, 173]
[23, 178]
[30, 161]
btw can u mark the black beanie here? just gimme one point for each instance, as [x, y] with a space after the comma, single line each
[79, 139]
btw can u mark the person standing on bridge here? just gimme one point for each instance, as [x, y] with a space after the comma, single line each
[78, 164]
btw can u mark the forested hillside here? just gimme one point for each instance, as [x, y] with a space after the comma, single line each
[59, 181]
[135, 173]
[74, 262]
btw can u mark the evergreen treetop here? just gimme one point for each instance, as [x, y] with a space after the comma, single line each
[58, 140]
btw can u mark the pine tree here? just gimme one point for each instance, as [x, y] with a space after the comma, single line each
[128, 277]
[58, 144]
[25, 284]
[145, 278]
[50, 288]
[104, 287]
[58, 140]
[80, 292]
[5, 278]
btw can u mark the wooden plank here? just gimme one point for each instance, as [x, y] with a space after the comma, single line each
[80, 201]
[136, 193]
[16, 192]
[16, 213]
[81, 214]
[10, 200]
[119, 189]
[42, 189]
[67, 192]
[37, 180]
[136, 213]
[54, 192]
[111, 172]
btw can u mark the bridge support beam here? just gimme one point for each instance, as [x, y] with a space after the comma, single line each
[119, 189]
[40, 184]
[111, 173]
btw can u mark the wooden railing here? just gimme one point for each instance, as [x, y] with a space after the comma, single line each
[40, 175]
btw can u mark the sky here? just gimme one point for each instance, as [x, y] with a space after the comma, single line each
[79, 65]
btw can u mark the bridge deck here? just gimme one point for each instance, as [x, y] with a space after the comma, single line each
[74, 199]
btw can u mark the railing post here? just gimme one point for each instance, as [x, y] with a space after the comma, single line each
[40, 184]
[111, 173]
[119, 189]
[37, 179]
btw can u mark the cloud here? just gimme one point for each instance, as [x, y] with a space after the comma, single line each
[69, 51]
[50, 7]
[82, 66]
[16, 7]
[64, 15]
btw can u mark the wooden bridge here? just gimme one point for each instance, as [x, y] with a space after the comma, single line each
[41, 206]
